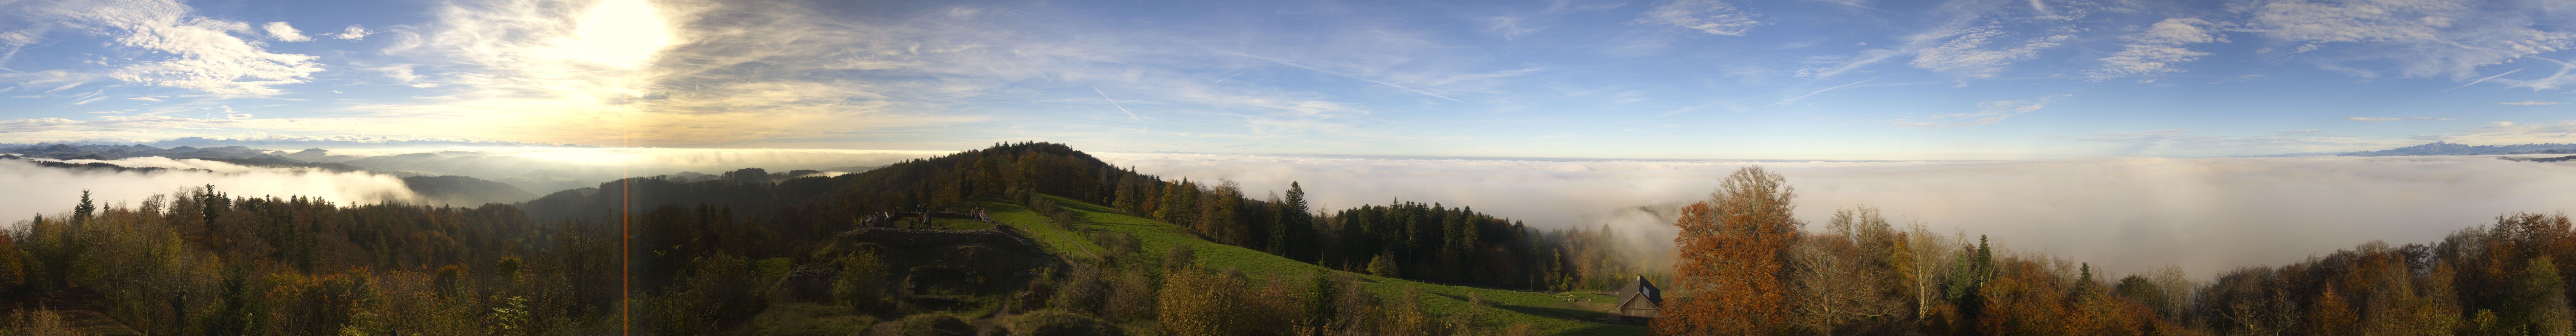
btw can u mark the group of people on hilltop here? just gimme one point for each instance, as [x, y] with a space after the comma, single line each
[921, 217]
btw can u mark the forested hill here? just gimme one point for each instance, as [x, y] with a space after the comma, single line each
[1405, 239]
[693, 256]
[1411, 240]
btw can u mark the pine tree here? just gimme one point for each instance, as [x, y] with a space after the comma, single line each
[86, 209]
[1292, 219]
[2086, 279]
[1319, 302]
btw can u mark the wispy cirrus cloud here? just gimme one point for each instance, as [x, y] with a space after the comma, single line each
[2529, 103]
[2438, 39]
[1706, 16]
[1967, 51]
[2158, 49]
[184, 50]
[1974, 39]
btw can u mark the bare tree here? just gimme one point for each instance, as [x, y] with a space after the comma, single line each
[1932, 257]
[1839, 278]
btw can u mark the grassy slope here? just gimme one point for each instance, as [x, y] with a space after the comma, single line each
[1556, 313]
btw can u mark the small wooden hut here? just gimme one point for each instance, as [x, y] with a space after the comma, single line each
[1639, 302]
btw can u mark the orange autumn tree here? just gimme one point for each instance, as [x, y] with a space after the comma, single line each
[1732, 249]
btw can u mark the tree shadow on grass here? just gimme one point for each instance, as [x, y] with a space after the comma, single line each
[1548, 312]
[1606, 329]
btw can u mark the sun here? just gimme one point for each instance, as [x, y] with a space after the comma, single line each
[617, 33]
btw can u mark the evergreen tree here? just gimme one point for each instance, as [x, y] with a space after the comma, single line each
[2538, 300]
[1292, 219]
[1319, 302]
[82, 213]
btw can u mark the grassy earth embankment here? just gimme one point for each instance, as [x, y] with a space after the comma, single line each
[1569, 313]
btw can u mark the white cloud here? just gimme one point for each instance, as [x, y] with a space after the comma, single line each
[671, 73]
[201, 53]
[2121, 214]
[1978, 40]
[2189, 143]
[149, 99]
[2424, 38]
[112, 127]
[283, 32]
[2156, 50]
[2507, 133]
[2529, 103]
[1988, 113]
[403, 73]
[353, 33]
[2356, 21]
[1967, 52]
[164, 125]
[1706, 16]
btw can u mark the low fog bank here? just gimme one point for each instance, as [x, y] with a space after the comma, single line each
[532, 170]
[2121, 214]
[544, 170]
[34, 189]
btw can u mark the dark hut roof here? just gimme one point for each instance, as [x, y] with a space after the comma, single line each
[1644, 288]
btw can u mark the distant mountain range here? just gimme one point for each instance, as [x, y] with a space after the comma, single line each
[2445, 148]
[345, 142]
[112, 152]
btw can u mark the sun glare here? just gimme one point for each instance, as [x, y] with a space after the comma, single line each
[619, 33]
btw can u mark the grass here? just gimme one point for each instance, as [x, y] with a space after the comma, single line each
[959, 224]
[1568, 313]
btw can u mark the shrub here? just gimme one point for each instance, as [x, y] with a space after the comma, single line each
[1059, 323]
[932, 325]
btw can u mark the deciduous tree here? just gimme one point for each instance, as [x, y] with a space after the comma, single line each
[1733, 248]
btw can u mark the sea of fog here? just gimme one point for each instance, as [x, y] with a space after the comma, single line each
[34, 190]
[2121, 214]
[37, 190]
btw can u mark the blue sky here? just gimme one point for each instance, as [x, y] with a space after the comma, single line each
[1863, 80]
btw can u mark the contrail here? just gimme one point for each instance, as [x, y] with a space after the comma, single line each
[1220, 80]
[1307, 67]
[1786, 101]
[1121, 108]
[2482, 80]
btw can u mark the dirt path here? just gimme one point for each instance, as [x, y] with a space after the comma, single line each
[80, 315]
